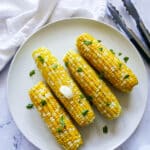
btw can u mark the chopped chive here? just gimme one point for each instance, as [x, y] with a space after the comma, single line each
[105, 129]
[41, 59]
[112, 51]
[120, 65]
[99, 41]
[29, 106]
[101, 49]
[43, 102]
[82, 96]
[32, 72]
[108, 104]
[126, 59]
[119, 53]
[54, 66]
[59, 130]
[101, 75]
[66, 64]
[87, 42]
[79, 69]
[89, 98]
[84, 112]
[126, 76]
[62, 121]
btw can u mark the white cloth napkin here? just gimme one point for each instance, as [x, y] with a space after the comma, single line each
[19, 19]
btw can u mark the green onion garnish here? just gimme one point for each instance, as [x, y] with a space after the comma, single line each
[112, 51]
[82, 96]
[101, 49]
[29, 106]
[126, 76]
[59, 130]
[43, 102]
[62, 121]
[79, 69]
[119, 53]
[32, 72]
[105, 129]
[54, 66]
[120, 65]
[66, 64]
[108, 104]
[41, 59]
[84, 112]
[87, 42]
[126, 59]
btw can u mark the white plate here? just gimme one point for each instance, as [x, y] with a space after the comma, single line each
[59, 37]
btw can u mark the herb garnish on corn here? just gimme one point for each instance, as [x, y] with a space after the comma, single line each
[98, 92]
[55, 117]
[103, 60]
[63, 86]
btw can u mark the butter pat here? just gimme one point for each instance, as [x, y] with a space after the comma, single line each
[66, 91]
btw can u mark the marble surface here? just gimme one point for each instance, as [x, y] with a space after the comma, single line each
[12, 139]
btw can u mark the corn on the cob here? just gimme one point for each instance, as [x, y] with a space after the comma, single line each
[64, 87]
[55, 117]
[113, 69]
[95, 88]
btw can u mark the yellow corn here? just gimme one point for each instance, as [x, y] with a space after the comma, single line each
[96, 90]
[55, 117]
[64, 87]
[114, 70]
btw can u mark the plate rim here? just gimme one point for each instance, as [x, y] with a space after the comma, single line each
[72, 19]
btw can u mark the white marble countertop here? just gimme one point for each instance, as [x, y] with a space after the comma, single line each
[12, 139]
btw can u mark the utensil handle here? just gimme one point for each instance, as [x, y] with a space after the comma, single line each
[144, 32]
[139, 45]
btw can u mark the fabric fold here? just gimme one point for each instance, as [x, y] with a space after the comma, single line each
[25, 17]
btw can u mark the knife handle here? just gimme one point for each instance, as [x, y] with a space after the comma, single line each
[144, 32]
[139, 45]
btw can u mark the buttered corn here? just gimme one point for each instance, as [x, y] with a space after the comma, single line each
[55, 117]
[64, 87]
[103, 60]
[96, 90]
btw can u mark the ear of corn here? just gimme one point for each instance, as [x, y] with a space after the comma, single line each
[102, 59]
[96, 90]
[63, 86]
[55, 117]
